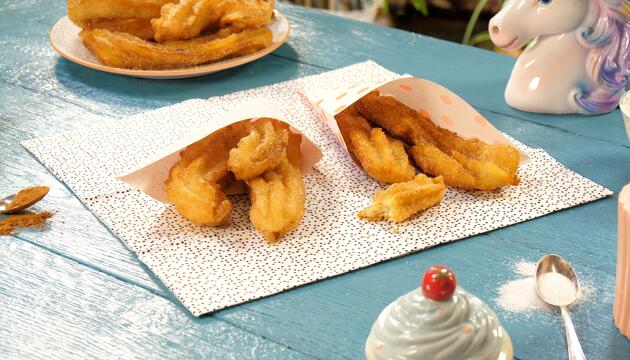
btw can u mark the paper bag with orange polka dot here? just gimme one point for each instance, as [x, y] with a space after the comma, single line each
[445, 108]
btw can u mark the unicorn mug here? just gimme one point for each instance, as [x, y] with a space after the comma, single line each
[578, 61]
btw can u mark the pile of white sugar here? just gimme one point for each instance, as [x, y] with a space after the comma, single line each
[557, 288]
[520, 295]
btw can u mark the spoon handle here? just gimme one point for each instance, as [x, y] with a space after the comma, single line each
[573, 344]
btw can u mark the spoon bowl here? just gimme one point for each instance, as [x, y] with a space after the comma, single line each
[557, 284]
[6, 201]
[555, 264]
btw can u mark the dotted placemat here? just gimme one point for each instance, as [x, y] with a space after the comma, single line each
[210, 269]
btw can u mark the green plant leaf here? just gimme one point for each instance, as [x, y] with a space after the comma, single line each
[473, 21]
[421, 6]
[479, 38]
[385, 7]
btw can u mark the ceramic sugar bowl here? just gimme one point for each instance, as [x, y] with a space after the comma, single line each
[438, 321]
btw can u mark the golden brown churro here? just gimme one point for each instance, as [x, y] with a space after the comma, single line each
[196, 182]
[263, 149]
[136, 27]
[128, 51]
[403, 200]
[264, 153]
[464, 163]
[188, 18]
[83, 11]
[278, 196]
[381, 156]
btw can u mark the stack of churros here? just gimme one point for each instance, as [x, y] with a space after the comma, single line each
[169, 34]
[387, 139]
[264, 154]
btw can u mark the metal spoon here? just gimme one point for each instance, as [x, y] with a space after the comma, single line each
[9, 199]
[555, 263]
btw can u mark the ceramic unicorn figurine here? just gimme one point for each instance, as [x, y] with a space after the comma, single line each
[578, 61]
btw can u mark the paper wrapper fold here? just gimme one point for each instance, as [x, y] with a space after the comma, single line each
[445, 108]
[149, 177]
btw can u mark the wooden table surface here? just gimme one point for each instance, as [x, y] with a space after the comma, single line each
[75, 291]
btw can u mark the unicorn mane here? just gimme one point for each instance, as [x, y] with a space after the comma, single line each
[608, 60]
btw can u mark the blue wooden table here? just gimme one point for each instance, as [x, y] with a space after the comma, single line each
[74, 290]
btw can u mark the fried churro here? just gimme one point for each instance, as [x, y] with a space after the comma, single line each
[188, 18]
[137, 27]
[278, 196]
[83, 11]
[401, 201]
[127, 51]
[196, 182]
[381, 156]
[464, 163]
[262, 150]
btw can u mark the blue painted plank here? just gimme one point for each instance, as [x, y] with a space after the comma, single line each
[24, 115]
[62, 310]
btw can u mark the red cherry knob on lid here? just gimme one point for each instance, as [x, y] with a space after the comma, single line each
[439, 283]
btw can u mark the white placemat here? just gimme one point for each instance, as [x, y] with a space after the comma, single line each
[210, 269]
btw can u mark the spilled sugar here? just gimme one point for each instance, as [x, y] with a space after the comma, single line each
[525, 268]
[519, 295]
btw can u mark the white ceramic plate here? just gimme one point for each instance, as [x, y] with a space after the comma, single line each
[64, 38]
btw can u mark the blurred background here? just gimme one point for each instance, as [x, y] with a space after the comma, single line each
[463, 21]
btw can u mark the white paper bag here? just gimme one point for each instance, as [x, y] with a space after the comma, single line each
[151, 175]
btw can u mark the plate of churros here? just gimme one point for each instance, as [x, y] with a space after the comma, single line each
[168, 39]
